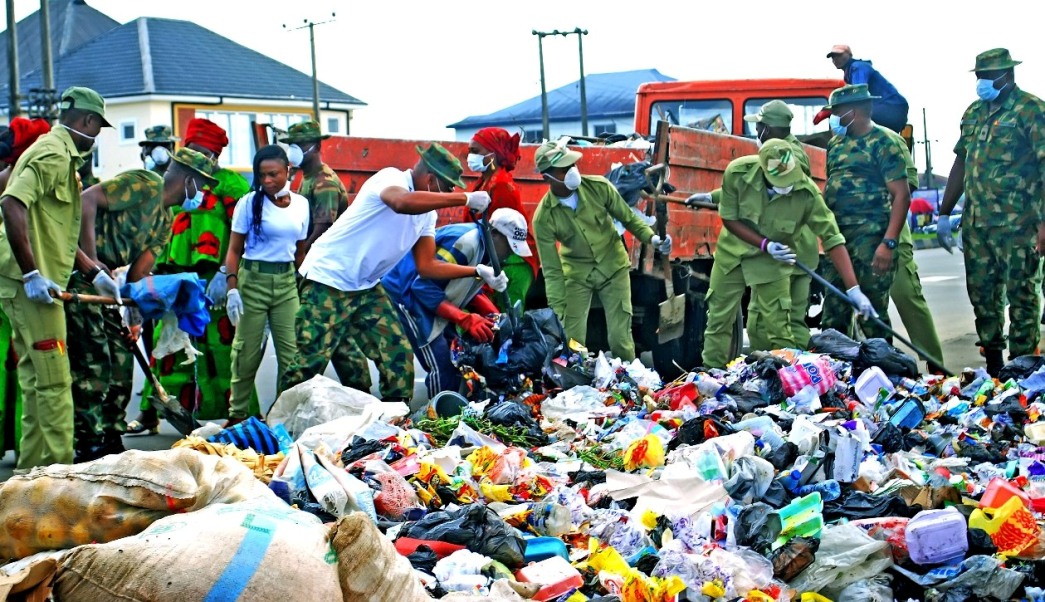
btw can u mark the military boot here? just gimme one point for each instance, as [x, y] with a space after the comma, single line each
[994, 361]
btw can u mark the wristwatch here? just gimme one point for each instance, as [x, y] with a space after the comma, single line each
[890, 243]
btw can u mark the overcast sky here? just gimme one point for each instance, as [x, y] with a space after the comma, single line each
[421, 65]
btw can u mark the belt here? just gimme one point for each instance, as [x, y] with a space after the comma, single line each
[267, 267]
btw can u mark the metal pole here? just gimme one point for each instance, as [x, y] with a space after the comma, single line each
[584, 94]
[545, 130]
[930, 179]
[12, 58]
[315, 80]
[45, 45]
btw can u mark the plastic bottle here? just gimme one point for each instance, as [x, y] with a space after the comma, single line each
[791, 480]
[764, 428]
[829, 490]
[709, 464]
[550, 519]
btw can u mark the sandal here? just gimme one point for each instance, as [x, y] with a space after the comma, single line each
[142, 425]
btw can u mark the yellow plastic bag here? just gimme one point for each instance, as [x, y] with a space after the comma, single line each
[647, 452]
[1012, 527]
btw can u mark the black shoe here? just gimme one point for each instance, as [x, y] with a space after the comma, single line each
[148, 422]
[114, 443]
[933, 368]
[994, 361]
[88, 453]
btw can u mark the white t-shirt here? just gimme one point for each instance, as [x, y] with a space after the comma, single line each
[369, 238]
[281, 228]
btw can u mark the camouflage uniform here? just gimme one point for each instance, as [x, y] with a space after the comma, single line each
[330, 319]
[134, 221]
[859, 169]
[1004, 150]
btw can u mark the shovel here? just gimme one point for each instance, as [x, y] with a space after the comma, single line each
[178, 417]
[673, 309]
[495, 263]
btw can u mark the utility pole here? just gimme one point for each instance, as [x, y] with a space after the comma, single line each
[584, 93]
[544, 90]
[311, 25]
[12, 59]
[930, 179]
[45, 45]
[544, 93]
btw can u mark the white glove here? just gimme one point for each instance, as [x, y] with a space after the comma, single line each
[477, 201]
[662, 246]
[234, 306]
[498, 283]
[863, 304]
[700, 197]
[104, 284]
[38, 288]
[781, 252]
[944, 234]
[218, 287]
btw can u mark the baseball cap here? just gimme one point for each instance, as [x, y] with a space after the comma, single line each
[774, 113]
[512, 224]
[555, 154]
[86, 99]
[777, 159]
[839, 49]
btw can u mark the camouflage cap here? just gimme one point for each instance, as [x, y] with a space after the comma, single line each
[850, 94]
[86, 99]
[774, 113]
[306, 131]
[197, 162]
[778, 161]
[994, 59]
[157, 135]
[440, 162]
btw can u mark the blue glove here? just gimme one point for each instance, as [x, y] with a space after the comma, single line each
[863, 304]
[663, 246]
[38, 288]
[218, 287]
[944, 234]
[781, 252]
[104, 284]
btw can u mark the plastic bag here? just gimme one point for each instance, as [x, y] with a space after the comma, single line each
[749, 479]
[846, 555]
[320, 400]
[647, 452]
[857, 504]
[173, 340]
[250, 434]
[878, 352]
[794, 557]
[476, 527]
[395, 497]
[529, 347]
[757, 527]
[875, 589]
[1021, 367]
[810, 370]
[462, 571]
[835, 344]
[697, 430]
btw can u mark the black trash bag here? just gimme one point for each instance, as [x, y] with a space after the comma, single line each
[1021, 367]
[835, 344]
[747, 401]
[656, 535]
[757, 527]
[592, 477]
[766, 368]
[537, 338]
[423, 559]
[980, 453]
[793, 557]
[892, 361]
[360, 448]
[630, 180]
[980, 543]
[474, 526]
[777, 495]
[890, 437]
[647, 563]
[513, 414]
[692, 431]
[857, 504]
[914, 439]
[784, 456]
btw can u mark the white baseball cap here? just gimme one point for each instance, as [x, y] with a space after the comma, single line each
[512, 224]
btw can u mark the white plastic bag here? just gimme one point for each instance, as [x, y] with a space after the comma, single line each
[173, 340]
[316, 401]
[847, 554]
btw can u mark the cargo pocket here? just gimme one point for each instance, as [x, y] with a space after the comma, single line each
[50, 363]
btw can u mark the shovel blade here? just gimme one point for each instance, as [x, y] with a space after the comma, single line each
[672, 319]
[177, 416]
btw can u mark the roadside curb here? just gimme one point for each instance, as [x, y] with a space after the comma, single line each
[926, 243]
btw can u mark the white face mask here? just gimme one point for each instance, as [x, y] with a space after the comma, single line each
[296, 155]
[783, 189]
[158, 157]
[572, 180]
[477, 162]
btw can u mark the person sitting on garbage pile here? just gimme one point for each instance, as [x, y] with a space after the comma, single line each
[493, 154]
[198, 243]
[890, 107]
[581, 253]
[426, 306]
[157, 148]
[868, 192]
[341, 294]
[767, 200]
[126, 223]
[999, 164]
[38, 252]
[269, 237]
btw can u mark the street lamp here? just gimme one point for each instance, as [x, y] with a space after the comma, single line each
[544, 91]
[311, 25]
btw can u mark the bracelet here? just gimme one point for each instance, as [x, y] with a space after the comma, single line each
[765, 243]
[232, 275]
[93, 273]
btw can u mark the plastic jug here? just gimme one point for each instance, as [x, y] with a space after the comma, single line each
[1012, 527]
[1035, 433]
[935, 536]
[555, 575]
[801, 518]
[870, 383]
[1000, 491]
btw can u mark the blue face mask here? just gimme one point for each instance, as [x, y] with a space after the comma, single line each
[835, 121]
[985, 89]
[192, 203]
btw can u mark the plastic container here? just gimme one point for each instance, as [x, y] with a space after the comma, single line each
[1000, 491]
[550, 519]
[555, 575]
[801, 518]
[407, 546]
[543, 548]
[764, 428]
[909, 414]
[935, 536]
[1035, 433]
[849, 452]
[1012, 527]
[870, 384]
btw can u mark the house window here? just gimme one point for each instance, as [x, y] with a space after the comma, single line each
[532, 136]
[333, 125]
[127, 131]
[241, 148]
[605, 128]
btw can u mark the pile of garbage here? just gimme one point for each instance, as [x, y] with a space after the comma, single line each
[838, 474]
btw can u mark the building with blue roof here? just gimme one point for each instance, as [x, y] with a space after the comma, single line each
[611, 108]
[146, 77]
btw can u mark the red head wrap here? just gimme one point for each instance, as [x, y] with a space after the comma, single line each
[24, 134]
[206, 134]
[503, 145]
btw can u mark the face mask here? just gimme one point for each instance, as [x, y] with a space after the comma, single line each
[193, 202]
[477, 162]
[150, 163]
[77, 132]
[573, 178]
[759, 138]
[160, 155]
[295, 155]
[985, 89]
[836, 124]
[783, 189]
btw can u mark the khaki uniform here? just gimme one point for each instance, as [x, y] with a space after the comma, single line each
[784, 218]
[590, 259]
[44, 179]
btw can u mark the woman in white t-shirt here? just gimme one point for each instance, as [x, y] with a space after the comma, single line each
[269, 229]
